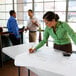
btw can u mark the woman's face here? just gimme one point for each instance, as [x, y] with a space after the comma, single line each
[49, 23]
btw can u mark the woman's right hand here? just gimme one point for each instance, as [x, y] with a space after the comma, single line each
[32, 50]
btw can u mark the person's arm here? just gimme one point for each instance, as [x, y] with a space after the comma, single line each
[45, 38]
[27, 27]
[35, 21]
[70, 31]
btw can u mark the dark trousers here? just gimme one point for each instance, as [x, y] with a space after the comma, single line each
[14, 40]
[66, 48]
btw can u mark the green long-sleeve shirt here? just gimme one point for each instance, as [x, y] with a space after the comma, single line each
[61, 37]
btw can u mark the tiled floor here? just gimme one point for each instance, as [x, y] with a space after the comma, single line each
[9, 69]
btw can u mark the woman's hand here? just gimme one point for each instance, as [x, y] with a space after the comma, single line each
[32, 50]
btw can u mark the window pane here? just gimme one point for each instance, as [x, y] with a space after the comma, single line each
[20, 15]
[8, 7]
[72, 16]
[5, 7]
[27, 6]
[39, 15]
[27, 0]
[62, 15]
[72, 6]
[7, 15]
[2, 1]
[26, 17]
[48, 0]
[2, 15]
[38, 0]
[15, 1]
[49, 6]
[73, 26]
[60, 6]
[2, 7]
[24, 7]
[60, 0]
[15, 7]
[8, 1]
[2, 23]
[38, 7]
[22, 1]
[20, 7]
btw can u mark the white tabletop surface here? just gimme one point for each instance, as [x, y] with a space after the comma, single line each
[47, 60]
[13, 51]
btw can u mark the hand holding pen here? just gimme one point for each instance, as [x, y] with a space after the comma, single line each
[31, 50]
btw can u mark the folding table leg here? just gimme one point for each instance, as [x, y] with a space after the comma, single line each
[28, 72]
[18, 71]
[1, 60]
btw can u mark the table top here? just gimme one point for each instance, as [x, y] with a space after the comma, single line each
[45, 59]
[48, 59]
[13, 51]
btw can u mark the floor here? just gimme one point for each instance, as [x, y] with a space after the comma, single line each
[9, 69]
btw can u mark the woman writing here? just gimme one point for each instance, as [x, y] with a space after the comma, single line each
[59, 31]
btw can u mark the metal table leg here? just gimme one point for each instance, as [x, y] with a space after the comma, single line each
[28, 72]
[18, 71]
[1, 60]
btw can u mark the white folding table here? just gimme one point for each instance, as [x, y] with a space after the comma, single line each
[45, 62]
[16, 50]
[48, 62]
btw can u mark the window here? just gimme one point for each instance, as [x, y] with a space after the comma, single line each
[5, 7]
[66, 9]
[72, 11]
[21, 7]
[72, 14]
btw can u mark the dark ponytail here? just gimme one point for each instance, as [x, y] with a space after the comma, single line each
[49, 16]
[56, 17]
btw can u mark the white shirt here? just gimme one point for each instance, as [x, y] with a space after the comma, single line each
[31, 26]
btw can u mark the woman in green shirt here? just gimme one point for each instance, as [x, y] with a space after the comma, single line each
[59, 31]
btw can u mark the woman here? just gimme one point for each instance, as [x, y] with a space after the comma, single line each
[59, 31]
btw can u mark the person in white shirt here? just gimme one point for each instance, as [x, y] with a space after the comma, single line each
[32, 26]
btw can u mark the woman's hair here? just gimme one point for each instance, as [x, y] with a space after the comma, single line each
[49, 16]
